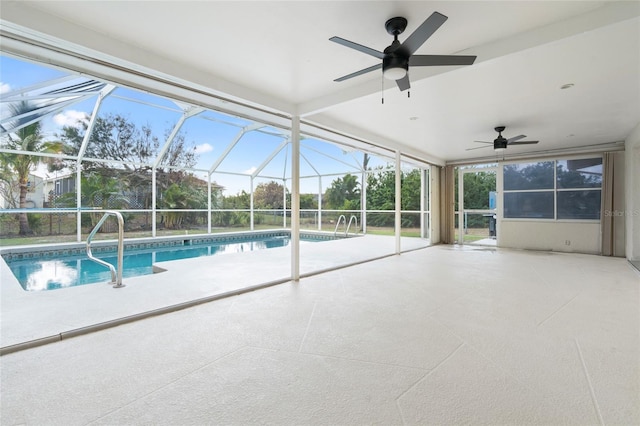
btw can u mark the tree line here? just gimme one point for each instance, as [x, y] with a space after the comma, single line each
[127, 183]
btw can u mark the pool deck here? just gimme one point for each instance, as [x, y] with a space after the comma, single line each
[52, 315]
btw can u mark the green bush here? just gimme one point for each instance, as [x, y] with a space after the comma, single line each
[35, 222]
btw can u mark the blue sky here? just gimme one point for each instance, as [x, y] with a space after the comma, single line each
[209, 138]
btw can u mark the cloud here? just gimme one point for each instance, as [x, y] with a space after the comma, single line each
[71, 118]
[251, 170]
[4, 87]
[202, 148]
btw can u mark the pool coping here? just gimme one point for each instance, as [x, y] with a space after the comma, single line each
[106, 246]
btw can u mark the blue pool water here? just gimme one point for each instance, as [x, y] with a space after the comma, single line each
[50, 273]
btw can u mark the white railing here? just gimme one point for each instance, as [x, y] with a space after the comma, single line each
[116, 277]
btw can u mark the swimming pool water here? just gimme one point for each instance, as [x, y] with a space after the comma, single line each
[38, 274]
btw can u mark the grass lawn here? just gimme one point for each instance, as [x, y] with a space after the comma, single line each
[404, 232]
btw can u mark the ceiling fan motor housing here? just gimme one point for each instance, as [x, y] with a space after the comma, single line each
[500, 143]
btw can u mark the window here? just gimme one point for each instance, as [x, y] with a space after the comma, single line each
[579, 184]
[536, 205]
[528, 190]
[562, 189]
[528, 176]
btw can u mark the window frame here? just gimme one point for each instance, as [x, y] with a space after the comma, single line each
[555, 190]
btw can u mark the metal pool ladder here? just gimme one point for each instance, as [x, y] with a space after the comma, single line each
[116, 278]
[353, 217]
[342, 218]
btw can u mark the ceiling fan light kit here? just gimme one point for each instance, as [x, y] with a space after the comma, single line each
[397, 57]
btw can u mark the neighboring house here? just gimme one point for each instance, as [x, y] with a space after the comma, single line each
[9, 197]
[57, 186]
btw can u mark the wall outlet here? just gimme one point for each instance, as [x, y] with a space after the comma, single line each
[567, 242]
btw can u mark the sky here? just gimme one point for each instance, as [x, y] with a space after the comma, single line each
[205, 132]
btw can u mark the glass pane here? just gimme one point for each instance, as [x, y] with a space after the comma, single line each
[478, 187]
[410, 225]
[381, 190]
[344, 193]
[381, 223]
[410, 189]
[584, 173]
[479, 228]
[579, 204]
[538, 205]
[528, 176]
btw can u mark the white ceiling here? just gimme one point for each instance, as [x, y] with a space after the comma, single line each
[277, 54]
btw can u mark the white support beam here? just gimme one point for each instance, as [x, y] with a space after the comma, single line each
[332, 157]
[319, 203]
[295, 198]
[423, 195]
[45, 112]
[284, 203]
[275, 152]
[363, 202]
[92, 121]
[309, 163]
[233, 143]
[154, 201]
[251, 206]
[209, 203]
[460, 206]
[79, 201]
[189, 112]
[83, 147]
[398, 219]
[18, 94]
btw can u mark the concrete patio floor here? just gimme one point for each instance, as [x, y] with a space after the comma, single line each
[50, 315]
[443, 335]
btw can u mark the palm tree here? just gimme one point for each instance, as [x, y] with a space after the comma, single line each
[19, 166]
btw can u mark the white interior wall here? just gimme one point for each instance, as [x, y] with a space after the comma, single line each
[572, 237]
[550, 235]
[434, 204]
[632, 208]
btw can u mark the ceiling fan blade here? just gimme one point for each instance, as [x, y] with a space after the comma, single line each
[403, 83]
[357, 73]
[434, 60]
[515, 138]
[483, 142]
[523, 143]
[423, 32]
[480, 147]
[358, 47]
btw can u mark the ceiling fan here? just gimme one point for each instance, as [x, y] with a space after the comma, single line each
[500, 143]
[398, 57]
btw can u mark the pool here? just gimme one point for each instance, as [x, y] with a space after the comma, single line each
[60, 268]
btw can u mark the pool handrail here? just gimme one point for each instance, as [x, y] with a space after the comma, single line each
[116, 277]
[340, 218]
[346, 232]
